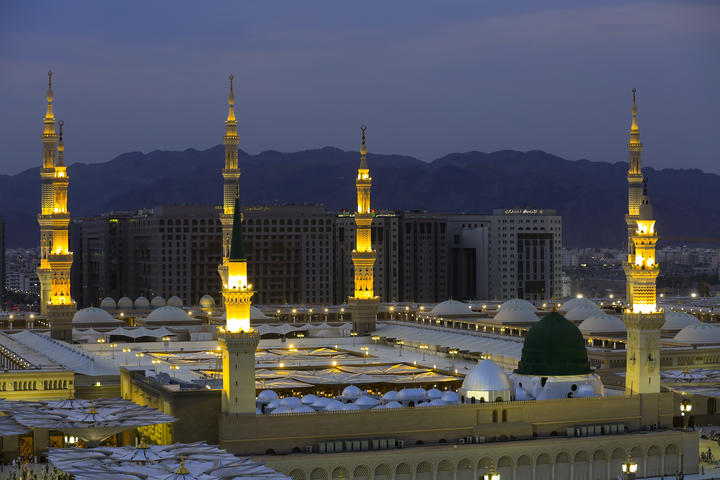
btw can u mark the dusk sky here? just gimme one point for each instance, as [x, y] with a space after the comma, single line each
[428, 78]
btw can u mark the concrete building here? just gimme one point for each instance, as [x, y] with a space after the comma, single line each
[468, 256]
[290, 252]
[423, 260]
[525, 259]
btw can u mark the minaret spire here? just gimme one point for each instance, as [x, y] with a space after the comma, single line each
[231, 181]
[55, 256]
[635, 179]
[364, 303]
[643, 317]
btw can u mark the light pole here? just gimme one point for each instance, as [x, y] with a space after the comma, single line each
[629, 469]
[423, 348]
[685, 408]
[401, 343]
[491, 474]
[353, 335]
[139, 355]
[453, 352]
[113, 346]
[365, 351]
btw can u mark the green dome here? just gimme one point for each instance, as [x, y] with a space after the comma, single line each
[554, 346]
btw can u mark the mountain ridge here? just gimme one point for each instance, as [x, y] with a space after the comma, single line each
[590, 195]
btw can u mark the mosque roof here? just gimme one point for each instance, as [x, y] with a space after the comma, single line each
[698, 333]
[157, 302]
[93, 315]
[577, 302]
[582, 312]
[125, 303]
[486, 376]
[554, 346]
[602, 323]
[142, 302]
[169, 314]
[515, 315]
[451, 308]
[518, 304]
[678, 320]
[206, 301]
[175, 301]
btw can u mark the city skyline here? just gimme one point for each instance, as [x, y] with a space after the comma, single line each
[473, 73]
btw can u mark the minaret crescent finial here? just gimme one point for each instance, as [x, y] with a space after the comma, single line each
[49, 78]
[363, 128]
[60, 124]
[634, 91]
[231, 82]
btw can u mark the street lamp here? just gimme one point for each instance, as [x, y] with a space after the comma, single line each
[401, 343]
[491, 474]
[629, 468]
[685, 408]
[113, 346]
[423, 348]
[353, 334]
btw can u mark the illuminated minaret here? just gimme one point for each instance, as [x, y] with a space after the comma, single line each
[635, 178]
[231, 179]
[47, 198]
[643, 318]
[238, 341]
[56, 258]
[364, 304]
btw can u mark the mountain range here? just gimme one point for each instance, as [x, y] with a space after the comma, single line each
[591, 196]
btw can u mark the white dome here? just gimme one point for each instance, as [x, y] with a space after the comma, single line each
[349, 406]
[332, 405]
[518, 304]
[451, 308]
[124, 303]
[392, 404]
[449, 396]
[576, 303]
[509, 315]
[678, 320]
[175, 301]
[434, 394]
[157, 302]
[699, 333]
[351, 392]
[93, 315]
[411, 394]
[390, 395]
[309, 399]
[601, 323]
[320, 403]
[292, 402]
[142, 302]
[486, 376]
[303, 409]
[582, 312]
[281, 409]
[366, 402]
[267, 396]
[206, 301]
[168, 315]
[108, 304]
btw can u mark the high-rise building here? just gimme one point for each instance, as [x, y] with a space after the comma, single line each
[643, 319]
[364, 303]
[290, 253]
[423, 261]
[3, 271]
[56, 258]
[525, 259]
[101, 265]
[468, 256]
[174, 250]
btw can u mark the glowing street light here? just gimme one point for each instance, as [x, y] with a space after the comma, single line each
[685, 408]
[424, 347]
[629, 469]
[491, 474]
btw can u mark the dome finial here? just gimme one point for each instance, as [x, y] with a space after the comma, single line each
[230, 122]
[634, 92]
[182, 469]
[363, 148]
[49, 78]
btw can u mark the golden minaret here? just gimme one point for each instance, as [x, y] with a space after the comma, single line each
[364, 304]
[642, 318]
[238, 341]
[635, 179]
[231, 182]
[55, 256]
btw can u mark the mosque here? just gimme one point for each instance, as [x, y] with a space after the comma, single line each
[552, 417]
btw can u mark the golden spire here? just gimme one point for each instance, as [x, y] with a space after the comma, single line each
[61, 146]
[634, 130]
[92, 407]
[363, 149]
[182, 470]
[231, 103]
[49, 116]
